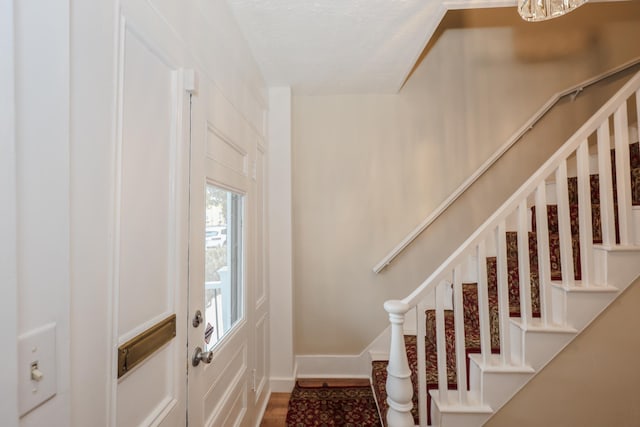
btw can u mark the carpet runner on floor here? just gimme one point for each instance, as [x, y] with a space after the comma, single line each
[470, 296]
[324, 406]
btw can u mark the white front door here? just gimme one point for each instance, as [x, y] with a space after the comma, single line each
[227, 348]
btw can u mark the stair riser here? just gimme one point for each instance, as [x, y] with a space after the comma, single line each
[620, 267]
[536, 348]
[496, 388]
[577, 307]
[458, 419]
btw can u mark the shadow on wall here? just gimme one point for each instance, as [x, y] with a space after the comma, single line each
[571, 34]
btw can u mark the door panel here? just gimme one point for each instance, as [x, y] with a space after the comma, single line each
[151, 230]
[142, 409]
[229, 370]
[147, 145]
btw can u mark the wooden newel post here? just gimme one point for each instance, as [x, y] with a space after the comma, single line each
[399, 388]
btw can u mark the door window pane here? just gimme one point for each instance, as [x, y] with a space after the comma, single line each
[223, 263]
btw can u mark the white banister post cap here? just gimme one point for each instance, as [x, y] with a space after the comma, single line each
[396, 307]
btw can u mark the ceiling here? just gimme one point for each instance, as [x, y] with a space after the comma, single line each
[337, 46]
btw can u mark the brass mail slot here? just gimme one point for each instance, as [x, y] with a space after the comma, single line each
[145, 344]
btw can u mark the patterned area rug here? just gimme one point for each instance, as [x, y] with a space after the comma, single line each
[324, 406]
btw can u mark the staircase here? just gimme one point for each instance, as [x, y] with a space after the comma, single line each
[544, 265]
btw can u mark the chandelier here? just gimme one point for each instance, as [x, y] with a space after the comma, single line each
[541, 10]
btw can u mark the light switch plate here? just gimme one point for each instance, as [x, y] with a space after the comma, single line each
[36, 346]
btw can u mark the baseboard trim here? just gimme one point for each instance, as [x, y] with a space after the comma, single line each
[343, 365]
[263, 408]
[283, 384]
[333, 366]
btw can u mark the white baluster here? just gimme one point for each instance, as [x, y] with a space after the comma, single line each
[422, 366]
[564, 226]
[503, 292]
[483, 305]
[399, 388]
[461, 353]
[544, 263]
[623, 180]
[441, 345]
[584, 213]
[524, 268]
[606, 185]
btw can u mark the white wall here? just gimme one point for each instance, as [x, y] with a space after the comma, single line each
[42, 185]
[368, 168]
[8, 274]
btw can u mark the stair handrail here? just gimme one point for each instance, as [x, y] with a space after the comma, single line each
[589, 127]
[573, 90]
[398, 386]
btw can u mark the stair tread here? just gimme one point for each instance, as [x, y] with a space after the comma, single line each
[618, 248]
[495, 365]
[473, 405]
[536, 325]
[577, 288]
[379, 355]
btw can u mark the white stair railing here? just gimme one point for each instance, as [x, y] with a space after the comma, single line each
[491, 240]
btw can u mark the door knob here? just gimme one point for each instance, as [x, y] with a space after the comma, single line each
[201, 356]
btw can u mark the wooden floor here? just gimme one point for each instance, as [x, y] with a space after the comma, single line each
[276, 413]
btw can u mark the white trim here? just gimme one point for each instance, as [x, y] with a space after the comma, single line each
[282, 385]
[347, 365]
[114, 219]
[333, 366]
[493, 159]
[8, 238]
[261, 410]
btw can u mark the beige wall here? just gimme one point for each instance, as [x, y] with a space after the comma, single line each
[592, 382]
[368, 168]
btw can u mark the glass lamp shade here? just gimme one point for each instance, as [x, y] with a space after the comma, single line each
[541, 10]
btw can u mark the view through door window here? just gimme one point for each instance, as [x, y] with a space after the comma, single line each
[223, 263]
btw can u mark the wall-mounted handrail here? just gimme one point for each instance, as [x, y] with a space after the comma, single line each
[574, 91]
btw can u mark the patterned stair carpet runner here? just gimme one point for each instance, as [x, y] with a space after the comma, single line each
[470, 296]
[324, 406]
